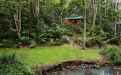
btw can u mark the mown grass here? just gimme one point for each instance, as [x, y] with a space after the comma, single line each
[46, 55]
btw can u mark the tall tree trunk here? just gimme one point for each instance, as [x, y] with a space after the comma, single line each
[61, 12]
[115, 26]
[119, 2]
[37, 11]
[17, 19]
[29, 15]
[89, 9]
[19, 22]
[99, 10]
[115, 20]
[34, 12]
[119, 28]
[33, 8]
[95, 6]
[84, 41]
[106, 4]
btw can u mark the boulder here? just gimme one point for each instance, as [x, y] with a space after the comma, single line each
[88, 72]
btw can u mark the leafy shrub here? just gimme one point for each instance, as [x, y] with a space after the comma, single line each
[95, 36]
[103, 51]
[53, 35]
[11, 65]
[65, 39]
[114, 54]
[114, 40]
[8, 43]
[94, 40]
[25, 40]
[79, 41]
[18, 45]
[33, 44]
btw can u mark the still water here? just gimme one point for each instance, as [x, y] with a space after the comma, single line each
[106, 70]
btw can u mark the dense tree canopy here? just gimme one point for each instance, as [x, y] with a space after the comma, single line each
[40, 22]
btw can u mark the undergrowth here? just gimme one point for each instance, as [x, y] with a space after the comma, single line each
[10, 64]
[113, 53]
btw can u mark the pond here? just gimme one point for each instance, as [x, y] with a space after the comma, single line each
[105, 70]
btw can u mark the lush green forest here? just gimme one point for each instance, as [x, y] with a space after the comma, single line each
[41, 22]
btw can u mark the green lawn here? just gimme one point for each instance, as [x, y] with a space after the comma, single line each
[46, 55]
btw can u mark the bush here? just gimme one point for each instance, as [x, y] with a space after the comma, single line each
[8, 43]
[65, 39]
[33, 44]
[53, 35]
[94, 40]
[11, 65]
[114, 40]
[79, 41]
[114, 54]
[25, 40]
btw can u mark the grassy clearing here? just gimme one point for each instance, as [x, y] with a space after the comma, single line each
[46, 55]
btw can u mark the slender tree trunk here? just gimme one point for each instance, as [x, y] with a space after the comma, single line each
[84, 41]
[99, 10]
[19, 23]
[34, 12]
[115, 20]
[115, 26]
[119, 16]
[95, 6]
[17, 19]
[119, 29]
[37, 11]
[61, 12]
[29, 16]
[89, 10]
[106, 4]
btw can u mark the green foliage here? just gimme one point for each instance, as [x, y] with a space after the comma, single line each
[8, 43]
[65, 38]
[95, 37]
[25, 40]
[50, 30]
[18, 45]
[75, 6]
[79, 41]
[54, 35]
[114, 40]
[10, 64]
[33, 44]
[94, 40]
[113, 53]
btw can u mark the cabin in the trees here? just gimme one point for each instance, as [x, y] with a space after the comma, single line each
[75, 19]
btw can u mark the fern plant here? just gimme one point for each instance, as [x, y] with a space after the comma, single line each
[113, 53]
[11, 65]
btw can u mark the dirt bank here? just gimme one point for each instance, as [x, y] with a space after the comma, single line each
[57, 68]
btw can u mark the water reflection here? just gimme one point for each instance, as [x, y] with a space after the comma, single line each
[106, 70]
